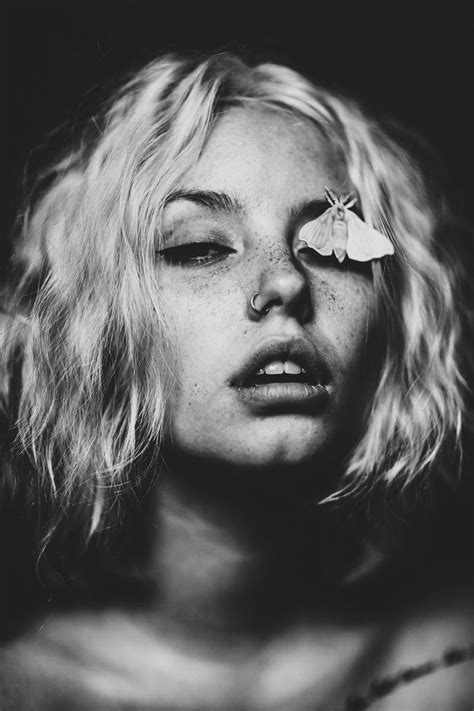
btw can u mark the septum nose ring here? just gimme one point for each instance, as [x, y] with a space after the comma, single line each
[260, 312]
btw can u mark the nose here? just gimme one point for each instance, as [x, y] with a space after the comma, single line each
[282, 287]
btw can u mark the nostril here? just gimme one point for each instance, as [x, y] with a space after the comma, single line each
[288, 291]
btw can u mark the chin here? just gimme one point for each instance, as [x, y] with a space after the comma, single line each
[283, 446]
[279, 442]
[280, 456]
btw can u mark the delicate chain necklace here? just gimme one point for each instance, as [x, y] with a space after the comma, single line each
[387, 684]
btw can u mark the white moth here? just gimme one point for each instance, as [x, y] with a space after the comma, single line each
[339, 230]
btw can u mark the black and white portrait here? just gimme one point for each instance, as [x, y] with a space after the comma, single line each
[236, 361]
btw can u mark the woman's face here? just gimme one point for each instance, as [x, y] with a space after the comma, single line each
[230, 233]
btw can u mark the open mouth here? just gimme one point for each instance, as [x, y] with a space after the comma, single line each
[278, 386]
[283, 375]
[276, 372]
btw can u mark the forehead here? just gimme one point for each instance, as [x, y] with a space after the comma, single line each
[260, 155]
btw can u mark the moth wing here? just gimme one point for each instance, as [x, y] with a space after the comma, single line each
[363, 242]
[317, 234]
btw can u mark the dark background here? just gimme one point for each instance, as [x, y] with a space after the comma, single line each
[413, 66]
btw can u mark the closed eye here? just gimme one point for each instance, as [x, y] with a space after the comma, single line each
[312, 258]
[195, 254]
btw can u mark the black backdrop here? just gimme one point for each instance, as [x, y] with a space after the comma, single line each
[402, 62]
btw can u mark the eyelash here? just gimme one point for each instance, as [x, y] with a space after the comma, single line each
[311, 257]
[195, 254]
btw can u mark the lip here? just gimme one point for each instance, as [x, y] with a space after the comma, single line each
[297, 396]
[280, 397]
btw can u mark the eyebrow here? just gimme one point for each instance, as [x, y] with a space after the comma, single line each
[308, 209]
[210, 199]
[222, 202]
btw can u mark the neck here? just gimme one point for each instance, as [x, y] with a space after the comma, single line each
[230, 556]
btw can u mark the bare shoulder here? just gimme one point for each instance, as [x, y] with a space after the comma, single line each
[102, 662]
[430, 664]
[446, 689]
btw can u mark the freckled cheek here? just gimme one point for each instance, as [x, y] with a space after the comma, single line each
[206, 329]
[344, 312]
[203, 293]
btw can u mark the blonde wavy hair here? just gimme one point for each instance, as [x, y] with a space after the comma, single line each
[86, 363]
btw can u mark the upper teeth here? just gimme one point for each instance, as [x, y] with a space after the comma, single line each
[278, 367]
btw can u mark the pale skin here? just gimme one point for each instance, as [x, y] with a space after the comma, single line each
[271, 168]
[258, 471]
[241, 553]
